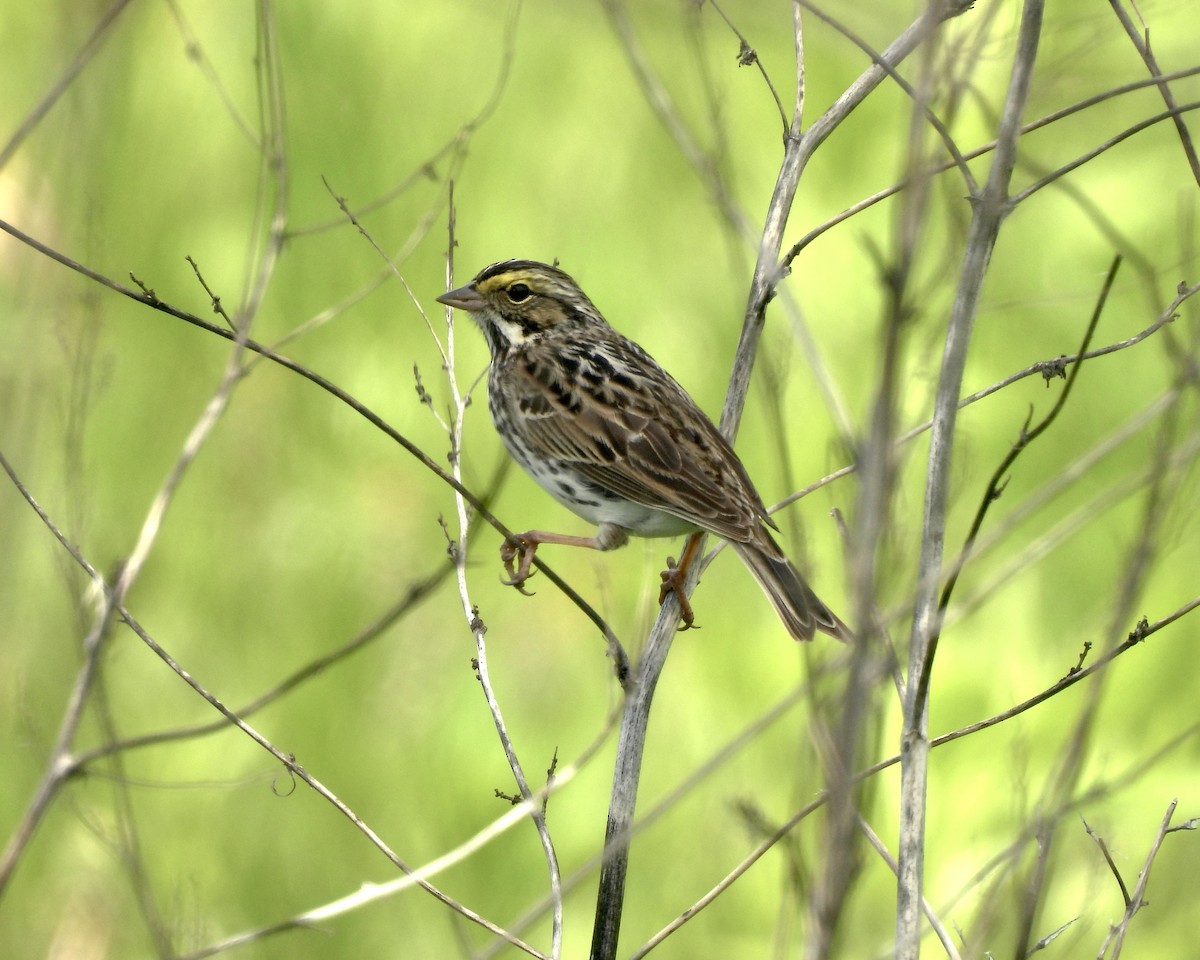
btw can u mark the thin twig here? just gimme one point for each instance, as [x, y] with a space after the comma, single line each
[1049, 938]
[1099, 841]
[999, 478]
[748, 55]
[1033, 125]
[1104, 147]
[1142, 631]
[147, 297]
[58, 767]
[537, 812]
[344, 206]
[989, 210]
[82, 58]
[1141, 43]
[935, 922]
[271, 201]
[417, 592]
[116, 609]
[1137, 899]
[195, 52]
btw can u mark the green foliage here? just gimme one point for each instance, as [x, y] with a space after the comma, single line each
[299, 524]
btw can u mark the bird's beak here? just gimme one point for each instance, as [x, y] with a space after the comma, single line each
[465, 298]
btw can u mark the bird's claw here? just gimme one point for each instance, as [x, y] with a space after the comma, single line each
[518, 572]
[672, 582]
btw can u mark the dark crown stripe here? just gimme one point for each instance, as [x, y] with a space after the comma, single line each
[514, 266]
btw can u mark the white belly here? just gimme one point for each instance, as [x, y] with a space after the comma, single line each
[597, 505]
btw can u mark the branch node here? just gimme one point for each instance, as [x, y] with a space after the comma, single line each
[747, 55]
[151, 296]
[1083, 655]
[1050, 369]
[477, 625]
[422, 394]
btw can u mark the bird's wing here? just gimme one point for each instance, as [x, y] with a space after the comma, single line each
[625, 424]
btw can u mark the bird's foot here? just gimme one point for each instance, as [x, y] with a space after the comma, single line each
[520, 546]
[672, 582]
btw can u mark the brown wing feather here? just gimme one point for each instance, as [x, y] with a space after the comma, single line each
[625, 424]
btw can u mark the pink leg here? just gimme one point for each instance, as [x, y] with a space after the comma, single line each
[524, 545]
[673, 577]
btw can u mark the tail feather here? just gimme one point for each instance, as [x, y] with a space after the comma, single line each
[801, 610]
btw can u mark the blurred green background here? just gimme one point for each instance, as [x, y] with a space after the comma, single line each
[299, 524]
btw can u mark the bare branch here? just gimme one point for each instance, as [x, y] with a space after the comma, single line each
[82, 58]
[58, 766]
[1137, 900]
[1141, 43]
[935, 922]
[1099, 841]
[147, 297]
[999, 476]
[537, 812]
[748, 56]
[117, 610]
[1079, 161]
[988, 212]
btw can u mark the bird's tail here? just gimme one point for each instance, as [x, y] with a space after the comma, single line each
[801, 610]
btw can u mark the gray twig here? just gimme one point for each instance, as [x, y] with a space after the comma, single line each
[989, 209]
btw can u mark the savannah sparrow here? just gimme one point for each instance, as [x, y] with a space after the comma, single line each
[610, 435]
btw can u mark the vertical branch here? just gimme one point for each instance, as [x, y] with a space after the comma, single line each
[273, 164]
[876, 458]
[799, 146]
[537, 811]
[631, 741]
[636, 716]
[989, 210]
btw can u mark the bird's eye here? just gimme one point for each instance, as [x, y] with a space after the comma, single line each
[519, 292]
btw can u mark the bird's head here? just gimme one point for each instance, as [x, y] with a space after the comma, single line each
[516, 302]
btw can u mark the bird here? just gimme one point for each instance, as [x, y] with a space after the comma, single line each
[608, 433]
